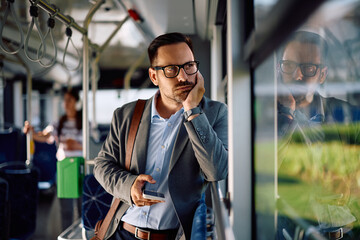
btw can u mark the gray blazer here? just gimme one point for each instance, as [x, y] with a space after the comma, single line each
[200, 155]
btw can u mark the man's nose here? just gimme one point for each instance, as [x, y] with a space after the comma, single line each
[182, 76]
[298, 76]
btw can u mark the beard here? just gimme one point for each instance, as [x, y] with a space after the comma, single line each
[180, 94]
[303, 92]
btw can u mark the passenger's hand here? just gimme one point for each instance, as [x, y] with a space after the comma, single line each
[136, 191]
[195, 95]
[27, 127]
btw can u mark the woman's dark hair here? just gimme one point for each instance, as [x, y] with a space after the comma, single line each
[167, 39]
[74, 93]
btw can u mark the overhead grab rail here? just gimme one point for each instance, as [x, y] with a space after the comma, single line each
[69, 21]
[51, 25]
[61, 17]
[69, 34]
[54, 12]
[34, 13]
[10, 8]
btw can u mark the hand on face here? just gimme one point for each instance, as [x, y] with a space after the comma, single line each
[196, 94]
[285, 97]
[136, 191]
[301, 72]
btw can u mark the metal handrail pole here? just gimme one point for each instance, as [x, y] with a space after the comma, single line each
[85, 132]
[222, 223]
[28, 107]
[96, 61]
[28, 103]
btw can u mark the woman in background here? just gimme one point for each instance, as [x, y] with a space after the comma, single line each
[67, 133]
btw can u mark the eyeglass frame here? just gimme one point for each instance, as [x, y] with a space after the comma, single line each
[179, 66]
[300, 65]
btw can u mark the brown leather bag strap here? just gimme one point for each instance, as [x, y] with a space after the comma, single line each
[135, 121]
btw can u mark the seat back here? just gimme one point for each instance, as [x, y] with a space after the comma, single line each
[44, 159]
[4, 209]
[96, 202]
[23, 196]
[8, 145]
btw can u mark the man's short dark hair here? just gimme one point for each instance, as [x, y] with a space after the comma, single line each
[167, 39]
[307, 38]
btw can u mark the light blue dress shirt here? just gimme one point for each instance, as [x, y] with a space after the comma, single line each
[161, 141]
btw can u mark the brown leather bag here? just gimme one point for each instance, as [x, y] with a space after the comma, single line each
[102, 226]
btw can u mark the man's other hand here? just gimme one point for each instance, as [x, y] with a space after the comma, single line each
[136, 191]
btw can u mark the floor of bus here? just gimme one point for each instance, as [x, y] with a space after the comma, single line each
[48, 220]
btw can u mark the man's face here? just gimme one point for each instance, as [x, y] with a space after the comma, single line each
[300, 82]
[177, 88]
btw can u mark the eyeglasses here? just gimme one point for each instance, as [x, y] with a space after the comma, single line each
[307, 69]
[171, 71]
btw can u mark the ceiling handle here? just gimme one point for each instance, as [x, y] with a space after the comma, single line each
[69, 34]
[51, 25]
[10, 9]
[34, 12]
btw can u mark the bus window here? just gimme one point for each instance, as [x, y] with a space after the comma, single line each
[307, 130]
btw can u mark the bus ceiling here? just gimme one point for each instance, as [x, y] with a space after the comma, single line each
[54, 54]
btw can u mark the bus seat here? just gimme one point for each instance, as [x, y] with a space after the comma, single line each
[23, 196]
[8, 145]
[97, 139]
[44, 159]
[4, 209]
[95, 205]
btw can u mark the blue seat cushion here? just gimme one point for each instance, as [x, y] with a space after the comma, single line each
[96, 202]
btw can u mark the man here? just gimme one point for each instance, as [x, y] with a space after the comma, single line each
[181, 145]
[307, 123]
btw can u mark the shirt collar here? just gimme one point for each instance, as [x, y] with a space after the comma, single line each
[154, 112]
[318, 106]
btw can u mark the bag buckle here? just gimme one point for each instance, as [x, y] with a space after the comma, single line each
[142, 230]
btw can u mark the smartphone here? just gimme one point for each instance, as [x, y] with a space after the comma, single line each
[153, 195]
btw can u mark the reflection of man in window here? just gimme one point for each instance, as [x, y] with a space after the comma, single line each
[317, 152]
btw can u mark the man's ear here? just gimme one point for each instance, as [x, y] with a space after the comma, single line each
[153, 77]
[323, 74]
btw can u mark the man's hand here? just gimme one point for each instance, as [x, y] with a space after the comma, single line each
[136, 191]
[285, 98]
[195, 95]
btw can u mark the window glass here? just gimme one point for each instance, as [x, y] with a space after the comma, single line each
[262, 9]
[307, 130]
[108, 100]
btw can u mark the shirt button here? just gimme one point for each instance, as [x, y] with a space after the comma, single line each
[169, 124]
[158, 169]
[162, 146]
[144, 213]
